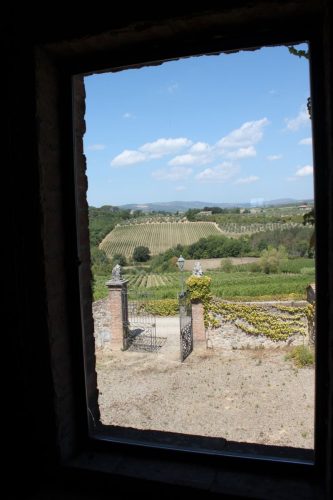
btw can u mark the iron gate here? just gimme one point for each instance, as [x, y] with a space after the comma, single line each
[139, 326]
[186, 332]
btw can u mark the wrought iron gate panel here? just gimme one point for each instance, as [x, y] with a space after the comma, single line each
[124, 304]
[140, 327]
[186, 332]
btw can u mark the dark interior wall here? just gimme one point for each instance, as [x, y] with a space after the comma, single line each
[34, 448]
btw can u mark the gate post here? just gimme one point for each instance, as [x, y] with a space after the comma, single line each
[198, 325]
[199, 288]
[118, 308]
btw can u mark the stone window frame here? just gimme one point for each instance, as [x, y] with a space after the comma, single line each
[67, 257]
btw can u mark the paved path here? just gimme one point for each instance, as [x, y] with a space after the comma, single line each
[169, 329]
[167, 338]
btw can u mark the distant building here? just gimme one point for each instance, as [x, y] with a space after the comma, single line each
[303, 207]
[205, 212]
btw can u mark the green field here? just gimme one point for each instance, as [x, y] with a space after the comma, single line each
[239, 284]
[158, 237]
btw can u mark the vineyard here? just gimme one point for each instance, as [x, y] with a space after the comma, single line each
[158, 237]
[152, 219]
[232, 229]
[238, 285]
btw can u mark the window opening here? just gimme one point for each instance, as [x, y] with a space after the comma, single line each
[204, 306]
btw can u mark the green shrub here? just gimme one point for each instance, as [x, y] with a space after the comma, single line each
[166, 307]
[271, 259]
[99, 261]
[302, 356]
[100, 290]
[141, 254]
[199, 290]
[120, 259]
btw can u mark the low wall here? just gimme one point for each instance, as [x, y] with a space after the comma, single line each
[102, 322]
[229, 336]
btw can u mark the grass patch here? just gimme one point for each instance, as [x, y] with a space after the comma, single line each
[302, 356]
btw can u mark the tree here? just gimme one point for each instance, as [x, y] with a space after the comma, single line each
[100, 262]
[141, 254]
[120, 259]
[305, 54]
[191, 214]
[271, 258]
[309, 220]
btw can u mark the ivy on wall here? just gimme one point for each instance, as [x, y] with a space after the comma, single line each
[199, 290]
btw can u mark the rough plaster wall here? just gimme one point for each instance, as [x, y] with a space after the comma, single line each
[84, 246]
[47, 104]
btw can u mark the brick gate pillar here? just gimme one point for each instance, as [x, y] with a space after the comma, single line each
[198, 325]
[118, 310]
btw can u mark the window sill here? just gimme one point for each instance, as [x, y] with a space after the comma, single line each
[131, 472]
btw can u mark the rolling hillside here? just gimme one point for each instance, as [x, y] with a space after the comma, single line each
[158, 237]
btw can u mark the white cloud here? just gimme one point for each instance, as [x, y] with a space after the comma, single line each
[304, 171]
[236, 145]
[189, 159]
[172, 88]
[273, 157]
[150, 151]
[247, 180]
[301, 172]
[307, 141]
[302, 119]
[217, 174]
[96, 147]
[174, 174]
[128, 157]
[200, 147]
[162, 147]
[242, 153]
[180, 188]
[248, 134]
[199, 153]
[128, 115]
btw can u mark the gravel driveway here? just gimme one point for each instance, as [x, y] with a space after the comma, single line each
[249, 395]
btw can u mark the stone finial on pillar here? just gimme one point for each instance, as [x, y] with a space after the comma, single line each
[197, 270]
[118, 307]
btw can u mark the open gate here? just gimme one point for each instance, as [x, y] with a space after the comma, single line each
[140, 325]
[186, 332]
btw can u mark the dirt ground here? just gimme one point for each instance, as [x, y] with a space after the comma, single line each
[249, 395]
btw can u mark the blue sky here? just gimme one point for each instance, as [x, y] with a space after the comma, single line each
[226, 128]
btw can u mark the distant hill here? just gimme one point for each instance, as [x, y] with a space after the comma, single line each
[183, 206]
[158, 237]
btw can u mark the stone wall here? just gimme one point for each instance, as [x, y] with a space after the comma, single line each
[102, 322]
[229, 336]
